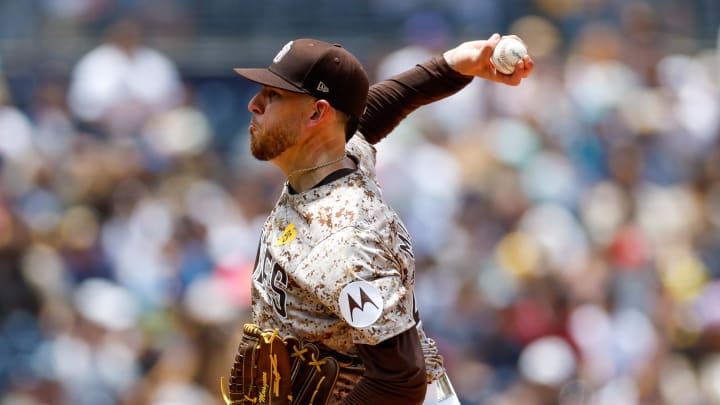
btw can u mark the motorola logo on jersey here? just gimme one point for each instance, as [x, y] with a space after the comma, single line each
[361, 304]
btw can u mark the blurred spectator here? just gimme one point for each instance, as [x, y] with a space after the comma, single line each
[119, 84]
[425, 34]
[55, 132]
[16, 129]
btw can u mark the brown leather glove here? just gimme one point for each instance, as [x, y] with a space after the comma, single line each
[269, 369]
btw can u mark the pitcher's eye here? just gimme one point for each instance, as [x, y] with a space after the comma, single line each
[271, 94]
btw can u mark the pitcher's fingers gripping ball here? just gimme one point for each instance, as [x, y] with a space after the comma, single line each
[508, 52]
[269, 369]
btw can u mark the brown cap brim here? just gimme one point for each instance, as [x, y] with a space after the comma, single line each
[267, 78]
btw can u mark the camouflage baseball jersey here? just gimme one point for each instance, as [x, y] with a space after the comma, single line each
[335, 264]
[316, 243]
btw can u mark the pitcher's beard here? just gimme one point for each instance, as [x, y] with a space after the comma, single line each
[270, 143]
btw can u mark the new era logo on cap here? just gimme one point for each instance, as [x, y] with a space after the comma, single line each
[318, 68]
[322, 87]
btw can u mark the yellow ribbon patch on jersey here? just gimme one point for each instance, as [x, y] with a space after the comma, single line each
[288, 235]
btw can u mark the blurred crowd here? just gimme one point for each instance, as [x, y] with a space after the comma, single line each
[567, 230]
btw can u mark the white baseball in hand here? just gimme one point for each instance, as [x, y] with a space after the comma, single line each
[507, 54]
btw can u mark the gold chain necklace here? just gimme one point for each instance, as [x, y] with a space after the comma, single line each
[320, 166]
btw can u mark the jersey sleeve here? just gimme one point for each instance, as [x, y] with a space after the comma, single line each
[394, 372]
[391, 100]
[364, 282]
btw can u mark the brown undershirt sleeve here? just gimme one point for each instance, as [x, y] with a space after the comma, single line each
[394, 372]
[391, 100]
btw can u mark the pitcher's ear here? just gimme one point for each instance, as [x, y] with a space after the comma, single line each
[321, 108]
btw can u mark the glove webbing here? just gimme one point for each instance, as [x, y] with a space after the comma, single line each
[226, 395]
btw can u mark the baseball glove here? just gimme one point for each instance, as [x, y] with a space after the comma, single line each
[269, 369]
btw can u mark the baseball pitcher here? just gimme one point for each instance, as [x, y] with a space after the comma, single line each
[334, 317]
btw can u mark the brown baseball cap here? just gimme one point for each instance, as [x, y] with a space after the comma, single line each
[323, 70]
